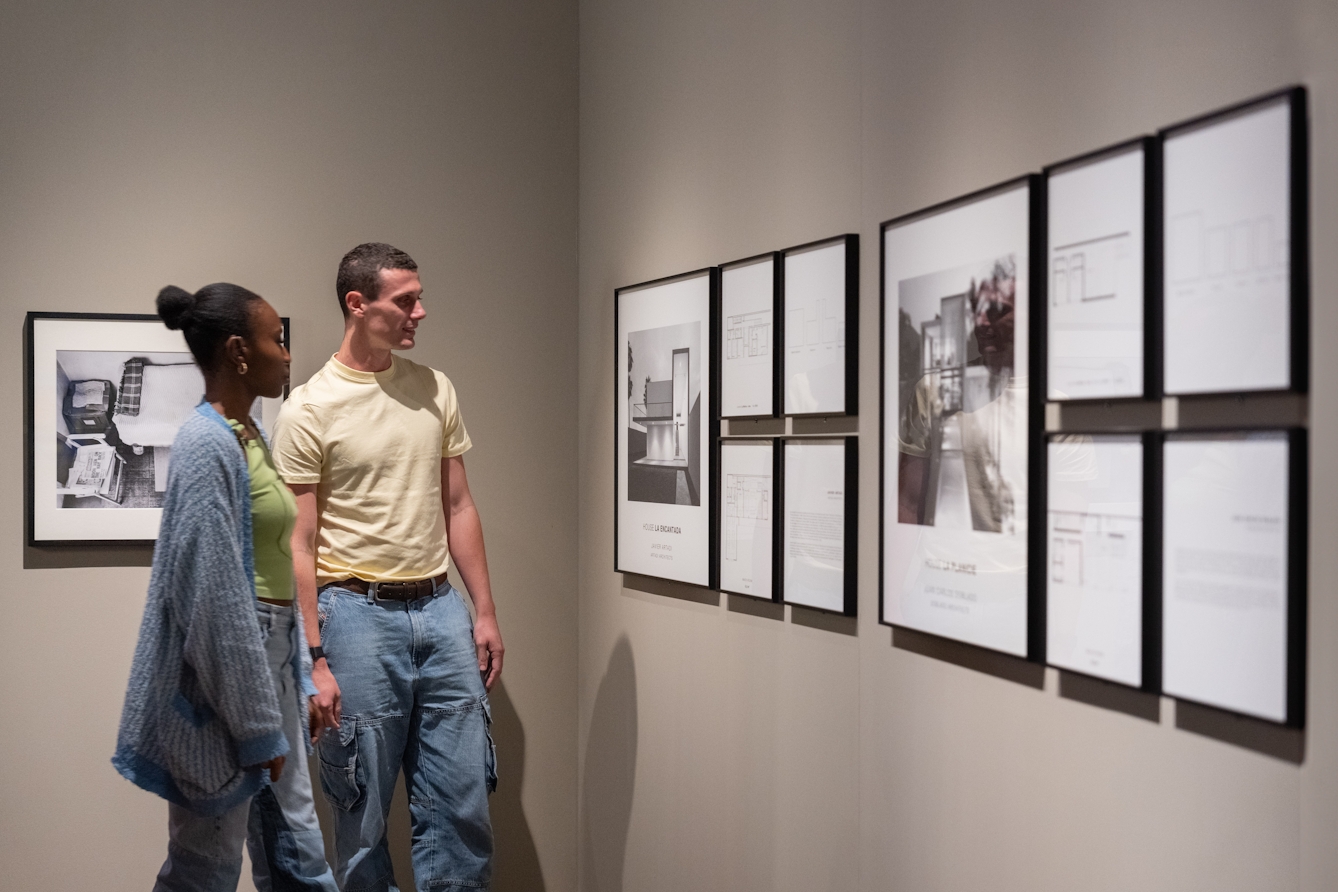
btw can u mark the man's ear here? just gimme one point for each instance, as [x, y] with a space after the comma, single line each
[355, 302]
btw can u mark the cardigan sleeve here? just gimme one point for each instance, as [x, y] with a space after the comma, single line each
[215, 605]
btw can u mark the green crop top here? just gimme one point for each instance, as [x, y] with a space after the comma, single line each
[273, 514]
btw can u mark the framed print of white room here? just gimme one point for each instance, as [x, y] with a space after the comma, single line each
[1236, 266]
[665, 427]
[958, 479]
[820, 300]
[112, 391]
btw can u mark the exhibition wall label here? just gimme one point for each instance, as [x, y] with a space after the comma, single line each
[665, 428]
[956, 419]
[1234, 183]
[1095, 287]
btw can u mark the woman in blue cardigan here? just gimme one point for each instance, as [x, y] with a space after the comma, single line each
[215, 716]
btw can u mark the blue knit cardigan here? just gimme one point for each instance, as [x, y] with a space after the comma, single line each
[201, 704]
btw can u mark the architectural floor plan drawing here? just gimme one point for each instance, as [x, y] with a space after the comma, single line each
[1089, 270]
[748, 337]
[1095, 551]
[747, 502]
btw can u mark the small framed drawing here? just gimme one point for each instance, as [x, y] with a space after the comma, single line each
[1237, 246]
[1234, 573]
[748, 517]
[749, 363]
[820, 299]
[112, 391]
[1102, 611]
[960, 486]
[665, 427]
[819, 520]
[1102, 212]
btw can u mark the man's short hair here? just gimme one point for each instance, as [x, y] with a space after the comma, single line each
[360, 270]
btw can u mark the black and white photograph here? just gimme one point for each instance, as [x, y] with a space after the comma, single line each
[664, 392]
[957, 418]
[666, 423]
[962, 460]
[111, 392]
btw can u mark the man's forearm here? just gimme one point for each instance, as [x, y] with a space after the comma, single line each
[466, 546]
[304, 574]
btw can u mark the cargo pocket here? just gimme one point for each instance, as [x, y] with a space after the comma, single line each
[340, 772]
[490, 760]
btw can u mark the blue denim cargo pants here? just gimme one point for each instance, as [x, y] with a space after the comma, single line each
[412, 698]
[204, 854]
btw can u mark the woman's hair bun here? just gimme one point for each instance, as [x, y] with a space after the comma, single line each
[174, 306]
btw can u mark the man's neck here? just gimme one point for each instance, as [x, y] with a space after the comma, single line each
[358, 354]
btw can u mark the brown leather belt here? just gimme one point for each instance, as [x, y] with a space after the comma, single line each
[394, 591]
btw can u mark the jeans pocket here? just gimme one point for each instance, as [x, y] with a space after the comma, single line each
[490, 762]
[340, 770]
[324, 607]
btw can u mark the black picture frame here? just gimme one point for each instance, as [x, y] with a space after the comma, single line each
[1297, 584]
[1149, 574]
[1298, 217]
[1034, 545]
[773, 594]
[104, 432]
[777, 334]
[1152, 252]
[851, 408]
[850, 528]
[709, 413]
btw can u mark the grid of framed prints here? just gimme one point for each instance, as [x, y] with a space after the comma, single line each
[1167, 560]
[819, 303]
[666, 427]
[957, 418]
[111, 390]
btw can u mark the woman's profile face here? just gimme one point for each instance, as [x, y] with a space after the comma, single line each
[268, 360]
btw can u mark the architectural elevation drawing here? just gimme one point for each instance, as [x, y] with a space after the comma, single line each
[747, 516]
[747, 339]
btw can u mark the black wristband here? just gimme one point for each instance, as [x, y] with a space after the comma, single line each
[317, 652]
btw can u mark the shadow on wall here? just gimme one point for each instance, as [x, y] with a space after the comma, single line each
[610, 772]
[516, 862]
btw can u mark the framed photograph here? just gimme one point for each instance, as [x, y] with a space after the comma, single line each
[1234, 572]
[112, 392]
[819, 525]
[748, 517]
[1101, 209]
[666, 425]
[1236, 278]
[1102, 616]
[958, 478]
[749, 362]
[820, 298]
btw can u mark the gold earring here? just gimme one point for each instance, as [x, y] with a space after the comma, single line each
[241, 368]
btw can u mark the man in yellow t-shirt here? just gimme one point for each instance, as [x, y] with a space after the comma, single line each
[373, 447]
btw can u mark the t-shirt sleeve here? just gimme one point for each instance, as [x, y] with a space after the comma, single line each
[297, 444]
[454, 438]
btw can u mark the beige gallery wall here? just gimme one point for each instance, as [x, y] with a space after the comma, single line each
[147, 143]
[725, 748]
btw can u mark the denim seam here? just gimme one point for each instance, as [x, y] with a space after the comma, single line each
[476, 706]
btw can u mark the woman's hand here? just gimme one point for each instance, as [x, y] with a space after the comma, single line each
[275, 767]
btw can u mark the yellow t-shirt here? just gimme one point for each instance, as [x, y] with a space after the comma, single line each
[373, 442]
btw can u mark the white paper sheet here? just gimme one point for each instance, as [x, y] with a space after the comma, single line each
[813, 536]
[815, 330]
[747, 517]
[747, 342]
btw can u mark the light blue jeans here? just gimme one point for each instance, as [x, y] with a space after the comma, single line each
[412, 698]
[278, 823]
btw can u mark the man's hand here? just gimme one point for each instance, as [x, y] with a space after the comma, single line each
[488, 646]
[325, 707]
[275, 767]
